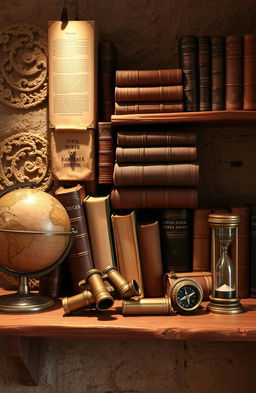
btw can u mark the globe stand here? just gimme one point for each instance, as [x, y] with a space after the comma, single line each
[24, 301]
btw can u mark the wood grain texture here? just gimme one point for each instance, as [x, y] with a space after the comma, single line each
[111, 324]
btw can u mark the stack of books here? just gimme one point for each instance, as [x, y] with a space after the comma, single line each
[148, 91]
[155, 169]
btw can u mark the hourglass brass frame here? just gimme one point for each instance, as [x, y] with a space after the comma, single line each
[221, 305]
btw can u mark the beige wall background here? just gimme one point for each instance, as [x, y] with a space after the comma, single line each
[146, 33]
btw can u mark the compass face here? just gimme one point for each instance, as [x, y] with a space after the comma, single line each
[187, 297]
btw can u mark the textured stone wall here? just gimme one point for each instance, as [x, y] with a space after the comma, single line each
[146, 33]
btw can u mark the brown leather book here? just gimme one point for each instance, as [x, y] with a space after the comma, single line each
[243, 249]
[156, 154]
[156, 175]
[107, 69]
[145, 107]
[149, 77]
[203, 278]
[156, 138]
[150, 258]
[79, 258]
[234, 72]
[154, 197]
[249, 71]
[204, 75]
[149, 94]
[126, 246]
[105, 153]
[218, 73]
[201, 241]
[176, 239]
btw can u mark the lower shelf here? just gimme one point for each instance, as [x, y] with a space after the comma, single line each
[112, 324]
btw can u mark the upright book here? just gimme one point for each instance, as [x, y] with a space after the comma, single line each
[234, 72]
[201, 241]
[126, 246]
[249, 71]
[204, 64]
[100, 231]
[80, 257]
[218, 73]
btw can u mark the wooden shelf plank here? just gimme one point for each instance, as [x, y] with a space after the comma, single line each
[112, 324]
[235, 117]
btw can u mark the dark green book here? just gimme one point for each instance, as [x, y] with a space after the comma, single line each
[253, 252]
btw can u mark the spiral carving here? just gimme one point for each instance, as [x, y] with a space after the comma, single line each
[23, 66]
[24, 158]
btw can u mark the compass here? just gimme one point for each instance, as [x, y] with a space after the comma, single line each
[186, 295]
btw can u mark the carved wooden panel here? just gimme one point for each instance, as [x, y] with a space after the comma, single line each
[24, 158]
[23, 66]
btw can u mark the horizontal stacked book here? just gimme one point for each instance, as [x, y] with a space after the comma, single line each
[219, 73]
[148, 91]
[155, 169]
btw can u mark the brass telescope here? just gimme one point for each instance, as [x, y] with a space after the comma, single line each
[125, 289]
[76, 302]
[103, 299]
[147, 306]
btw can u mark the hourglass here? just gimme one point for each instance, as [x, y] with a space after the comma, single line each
[224, 231]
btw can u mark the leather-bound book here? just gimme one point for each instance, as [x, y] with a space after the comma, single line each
[107, 69]
[218, 73]
[204, 76]
[149, 77]
[105, 153]
[100, 231]
[176, 239]
[234, 72]
[149, 93]
[57, 282]
[154, 197]
[79, 257]
[148, 107]
[203, 278]
[201, 241]
[156, 175]
[249, 71]
[188, 55]
[150, 258]
[244, 249]
[156, 154]
[155, 138]
[126, 246]
[253, 253]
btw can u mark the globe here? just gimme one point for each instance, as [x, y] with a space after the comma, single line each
[34, 230]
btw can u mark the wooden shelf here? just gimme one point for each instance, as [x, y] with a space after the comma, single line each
[236, 118]
[111, 324]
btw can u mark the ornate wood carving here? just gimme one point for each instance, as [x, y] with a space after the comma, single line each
[24, 158]
[23, 66]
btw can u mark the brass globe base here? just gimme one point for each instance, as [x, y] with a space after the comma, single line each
[20, 303]
[225, 306]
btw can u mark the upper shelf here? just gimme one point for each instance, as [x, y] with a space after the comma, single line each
[112, 324]
[235, 117]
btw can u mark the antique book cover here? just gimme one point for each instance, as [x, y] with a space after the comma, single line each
[126, 246]
[156, 154]
[72, 75]
[106, 155]
[218, 73]
[234, 71]
[149, 93]
[249, 71]
[122, 108]
[149, 77]
[100, 231]
[139, 138]
[204, 76]
[201, 240]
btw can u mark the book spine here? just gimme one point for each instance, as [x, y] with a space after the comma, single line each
[189, 63]
[204, 66]
[154, 198]
[253, 253]
[249, 71]
[234, 72]
[156, 175]
[243, 250]
[218, 73]
[155, 154]
[150, 258]
[149, 94]
[201, 241]
[159, 138]
[105, 153]
[107, 68]
[80, 257]
[176, 240]
[153, 107]
[203, 278]
[149, 77]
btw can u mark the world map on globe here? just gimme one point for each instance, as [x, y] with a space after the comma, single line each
[32, 210]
